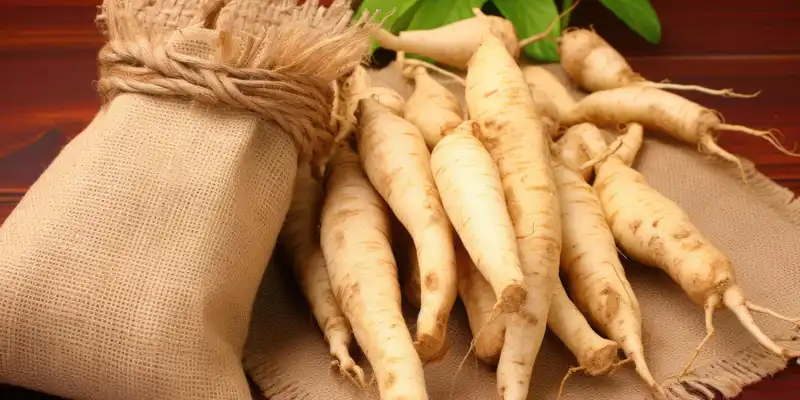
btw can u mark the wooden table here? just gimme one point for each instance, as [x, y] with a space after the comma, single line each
[48, 50]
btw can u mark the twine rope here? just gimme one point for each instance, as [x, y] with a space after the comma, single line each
[297, 104]
[241, 74]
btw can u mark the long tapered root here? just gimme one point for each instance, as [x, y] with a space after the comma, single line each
[763, 310]
[711, 305]
[571, 371]
[734, 300]
[696, 88]
[710, 145]
[512, 298]
[768, 135]
[642, 370]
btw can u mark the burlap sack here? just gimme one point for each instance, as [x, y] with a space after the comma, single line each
[130, 267]
[758, 228]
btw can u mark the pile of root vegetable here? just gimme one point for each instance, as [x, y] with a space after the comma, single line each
[495, 205]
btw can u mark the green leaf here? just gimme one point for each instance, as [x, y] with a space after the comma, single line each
[402, 22]
[565, 4]
[398, 9]
[435, 13]
[531, 17]
[639, 15]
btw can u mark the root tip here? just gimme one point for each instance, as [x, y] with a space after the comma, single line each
[429, 347]
[512, 298]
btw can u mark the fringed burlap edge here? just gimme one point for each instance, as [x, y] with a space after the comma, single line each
[731, 374]
[270, 379]
[280, 67]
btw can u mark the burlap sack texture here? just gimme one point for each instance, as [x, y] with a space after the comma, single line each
[758, 227]
[130, 268]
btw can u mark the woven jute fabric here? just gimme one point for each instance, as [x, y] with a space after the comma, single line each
[758, 227]
[129, 269]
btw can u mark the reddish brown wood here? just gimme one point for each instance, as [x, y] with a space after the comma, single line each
[48, 57]
[703, 27]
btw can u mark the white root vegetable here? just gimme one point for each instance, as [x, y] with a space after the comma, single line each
[355, 236]
[595, 65]
[655, 231]
[595, 355]
[432, 108]
[664, 112]
[397, 162]
[499, 99]
[570, 150]
[545, 85]
[355, 87]
[593, 270]
[300, 239]
[472, 194]
[488, 328]
[455, 44]
[452, 44]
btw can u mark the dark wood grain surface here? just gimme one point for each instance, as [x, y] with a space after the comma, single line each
[48, 50]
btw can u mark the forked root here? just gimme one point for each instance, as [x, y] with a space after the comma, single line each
[696, 88]
[337, 333]
[768, 135]
[734, 300]
[711, 304]
[570, 372]
[351, 371]
[711, 146]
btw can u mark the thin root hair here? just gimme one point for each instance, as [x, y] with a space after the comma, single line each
[763, 310]
[546, 33]
[707, 144]
[730, 93]
[570, 372]
[495, 315]
[619, 364]
[711, 304]
[420, 63]
[608, 152]
[770, 135]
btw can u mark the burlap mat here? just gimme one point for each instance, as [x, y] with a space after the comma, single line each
[758, 228]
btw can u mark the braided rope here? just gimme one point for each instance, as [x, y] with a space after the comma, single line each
[241, 70]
